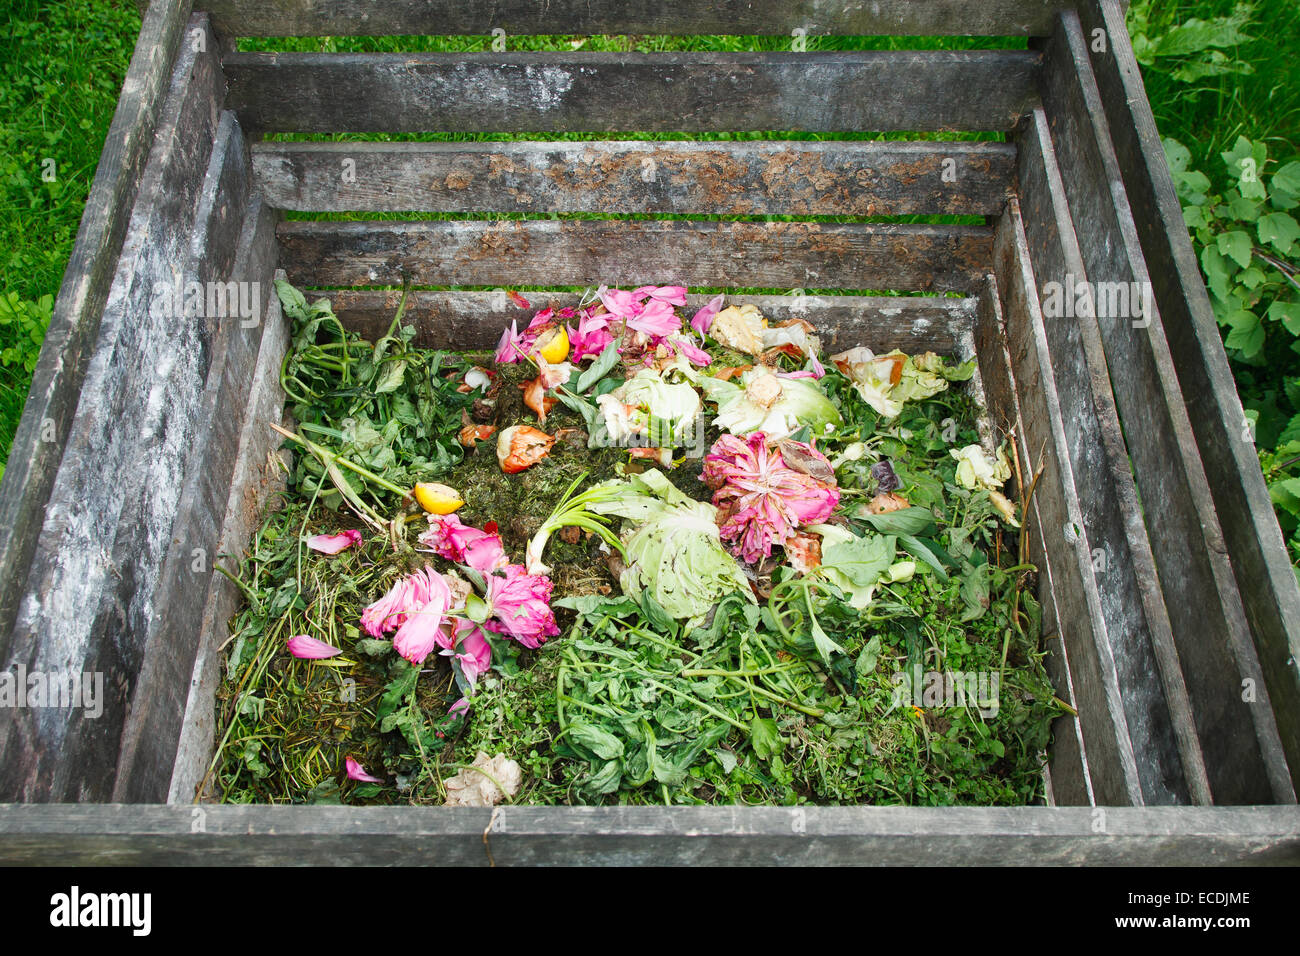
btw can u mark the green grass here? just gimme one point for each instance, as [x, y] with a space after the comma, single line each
[61, 68]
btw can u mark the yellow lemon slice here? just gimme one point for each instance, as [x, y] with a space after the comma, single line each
[554, 345]
[437, 499]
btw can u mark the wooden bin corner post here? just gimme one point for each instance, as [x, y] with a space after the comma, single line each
[1206, 654]
[124, 553]
[1241, 504]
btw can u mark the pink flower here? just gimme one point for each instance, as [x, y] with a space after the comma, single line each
[760, 499]
[358, 772]
[672, 294]
[419, 633]
[702, 319]
[655, 320]
[310, 649]
[620, 302]
[449, 538]
[403, 599]
[509, 347]
[520, 604]
[683, 345]
[333, 543]
[472, 650]
[591, 337]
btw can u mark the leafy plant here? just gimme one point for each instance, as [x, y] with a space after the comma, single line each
[23, 323]
[1248, 243]
[1195, 48]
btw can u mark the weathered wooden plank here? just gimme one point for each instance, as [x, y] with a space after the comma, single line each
[1259, 559]
[438, 836]
[743, 178]
[1243, 755]
[51, 753]
[1115, 762]
[671, 17]
[582, 252]
[168, 531]
[1138, 629]
[257, 475]
[516, 92]
[1068, 765]
[52, 399]
[474, 320]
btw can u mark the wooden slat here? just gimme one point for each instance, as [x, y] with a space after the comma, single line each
[439, 836]
[168, 533]
[1243, 754]
[517, 92]
[1138, 630]
[1068, 776]
[1241, 501]
[616, 252]
[52, 400]
[61, 625]
[1114, 761]
[671, 17]
[257, 476]
[474, 320]
[744, 178]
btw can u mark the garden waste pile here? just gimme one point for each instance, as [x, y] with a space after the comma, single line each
[632, 558]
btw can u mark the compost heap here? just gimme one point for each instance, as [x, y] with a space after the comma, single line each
[629, 558]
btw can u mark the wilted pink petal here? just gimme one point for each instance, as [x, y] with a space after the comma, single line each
[672, 294]
[620, 302]
[591, 337]
[802, 373]
[517, 299]
[449, 538]
[519, 602]
[472, 650]
[333, 543]
[682, 345]
[460, 707]
[358, 772]
[702, 319]
[310, 649]
[656, 320]
[509, 348]
[418, 635]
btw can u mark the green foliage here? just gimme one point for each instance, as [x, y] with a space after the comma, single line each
[23, 324]
[1192, 50]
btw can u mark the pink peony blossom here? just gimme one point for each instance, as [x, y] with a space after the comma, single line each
[760, 499]
[310, 649]
[520, 604]
[358, 772]
[702, 319]
[403, 599]
[419, 633]
[449, 538]
[333, 543]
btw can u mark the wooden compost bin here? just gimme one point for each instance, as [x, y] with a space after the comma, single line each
[1170, 611]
